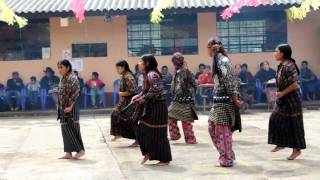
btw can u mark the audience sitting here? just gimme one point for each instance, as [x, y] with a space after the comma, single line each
[50, 83]
[33, 91]
[248, 84]
[167, 79]
[205, 78]
[2, 98]
[264, 75]
[95, 86]
[201, 69]
[14, 87]
[309, 81]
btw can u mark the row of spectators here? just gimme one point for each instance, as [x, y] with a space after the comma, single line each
[252, 87]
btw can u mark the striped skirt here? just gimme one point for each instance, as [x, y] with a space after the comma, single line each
[72, 140]
[182, 111]
[286, 123]
[153, 132]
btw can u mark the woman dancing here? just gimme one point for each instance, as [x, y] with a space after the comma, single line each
[224, 116]
[153, 125]
[182, 107]
[68, 112]
[286, 121]
[127, 89]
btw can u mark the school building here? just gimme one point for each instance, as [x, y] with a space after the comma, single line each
[121, 29]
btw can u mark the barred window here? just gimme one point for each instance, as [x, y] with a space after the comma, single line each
[89, 50]
[250, 32]
[175, 33]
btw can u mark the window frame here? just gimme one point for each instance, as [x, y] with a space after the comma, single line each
[89, 49]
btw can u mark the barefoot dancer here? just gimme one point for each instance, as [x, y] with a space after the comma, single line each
[68, 112]
[153, 126]
[127, 89]
[286, 121]
[224, 116]
[182, 107]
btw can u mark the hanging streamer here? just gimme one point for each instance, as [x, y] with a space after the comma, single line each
[156, 15]
[235, 8]
[78, 8]
[302, 11]
[8, 16]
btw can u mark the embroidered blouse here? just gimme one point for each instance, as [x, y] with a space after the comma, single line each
[69, 90]
[153, 87]
[287, 74]
[184, 84]
[224, 79]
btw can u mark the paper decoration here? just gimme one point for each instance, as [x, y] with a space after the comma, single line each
[66, 54]
[8, 16]
[302, 11]
[235, 8]
[156, 15]
[77, 64]
[77, 6]
[46, 52]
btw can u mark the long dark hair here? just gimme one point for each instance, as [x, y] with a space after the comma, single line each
[66, 63]
[219, 49]
[151, 63]
[124, 64]
[287, 53]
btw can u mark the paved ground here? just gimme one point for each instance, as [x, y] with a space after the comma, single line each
[29, 148]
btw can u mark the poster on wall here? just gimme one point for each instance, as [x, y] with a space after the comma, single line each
[77, 64]
[66, 54]
[46, 53]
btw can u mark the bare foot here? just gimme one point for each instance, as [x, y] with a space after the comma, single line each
[145, 159]
[66, 156]
[294, 155]
[135, 144]
[115, 138]
[79, 154]
[276, 149]
[162, 163]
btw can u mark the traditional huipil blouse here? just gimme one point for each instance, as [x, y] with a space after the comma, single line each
[184, 86]
[223, 111]
[127, 84]
[153, 87]
[69, 91]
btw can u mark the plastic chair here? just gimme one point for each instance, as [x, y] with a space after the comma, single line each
[116, 92]
[259, 91]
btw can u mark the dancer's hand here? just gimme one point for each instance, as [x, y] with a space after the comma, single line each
[140, 101]
[134, 98]
[67, 109]
[279, 94]
[239, 103]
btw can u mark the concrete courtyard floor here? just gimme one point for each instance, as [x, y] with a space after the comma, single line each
[29, 148]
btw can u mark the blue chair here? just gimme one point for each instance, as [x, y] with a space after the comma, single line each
[259, 91]
[22, 100]
[116, 96]
[43, 98]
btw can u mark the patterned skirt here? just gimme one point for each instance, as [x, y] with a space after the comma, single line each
[70, 129]
[286, 123]
[153, 132]
[222, 113]
[182, 111]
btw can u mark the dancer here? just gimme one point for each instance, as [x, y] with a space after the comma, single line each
[68, 112]
[224, 115]
[127, 90]
[182, 107]
[286, 121]
[153, 126]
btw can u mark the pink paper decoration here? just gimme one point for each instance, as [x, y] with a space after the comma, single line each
[77, 6]
[235, 8]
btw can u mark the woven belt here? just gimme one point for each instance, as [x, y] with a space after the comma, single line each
[154, 126]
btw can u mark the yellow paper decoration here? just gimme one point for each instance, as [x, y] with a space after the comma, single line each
[302, 11]
[9, 17]
[156, 15]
